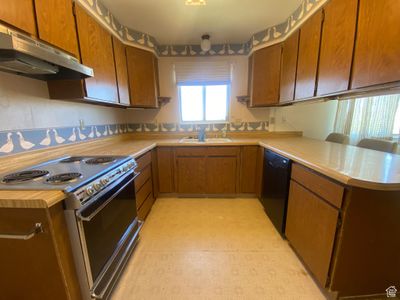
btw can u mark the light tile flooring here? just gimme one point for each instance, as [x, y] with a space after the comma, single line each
[213, 249]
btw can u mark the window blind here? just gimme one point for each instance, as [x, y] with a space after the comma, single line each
[202, 72]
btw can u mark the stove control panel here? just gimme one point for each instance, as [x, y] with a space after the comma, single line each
[85, 193]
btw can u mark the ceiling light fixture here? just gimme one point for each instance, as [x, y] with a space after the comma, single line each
[195, 2]
[205, 42]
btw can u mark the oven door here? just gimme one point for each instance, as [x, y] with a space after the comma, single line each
[108, 228]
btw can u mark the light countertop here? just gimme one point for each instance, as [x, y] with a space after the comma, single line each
[349, 165]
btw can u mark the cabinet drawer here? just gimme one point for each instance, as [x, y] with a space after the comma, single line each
[191, 151]
[323, 187]
[311, 228]
[144, 175]
[143, 193]
[146, 207]
[143, 161]
[223, 151]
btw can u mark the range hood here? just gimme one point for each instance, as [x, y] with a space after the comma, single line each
[22, 55]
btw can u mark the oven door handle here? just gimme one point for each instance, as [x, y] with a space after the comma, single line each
[103, 205]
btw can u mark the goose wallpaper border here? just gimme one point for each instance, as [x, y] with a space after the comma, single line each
[17, 141]
[269, 36]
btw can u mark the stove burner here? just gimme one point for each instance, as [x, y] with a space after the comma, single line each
[24, 176]
[63, 178]
[72, 159]
[100, 160]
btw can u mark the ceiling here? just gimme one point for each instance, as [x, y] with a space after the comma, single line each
[227, 21]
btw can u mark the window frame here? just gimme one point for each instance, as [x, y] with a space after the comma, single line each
[204, 85]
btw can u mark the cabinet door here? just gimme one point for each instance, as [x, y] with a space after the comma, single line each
[248, 169]
[121, 69]
[265, 77]
[165, 170]
[191, 175]
[307, 65]
[337, 44]
[56, 24]
[376, 57]
[142, 77]
[97, 53]
[221, 175]
[20, 14]
[157, 77]
[310, 228]
[30, 267]
[289, 66]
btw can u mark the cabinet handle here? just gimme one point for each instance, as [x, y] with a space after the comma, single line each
[36, 230]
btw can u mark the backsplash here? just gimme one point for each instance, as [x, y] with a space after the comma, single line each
[16, 141]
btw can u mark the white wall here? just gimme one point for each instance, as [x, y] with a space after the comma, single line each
[316, 120]
[25, 103]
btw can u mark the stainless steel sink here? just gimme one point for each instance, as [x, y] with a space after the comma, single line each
[208, 140]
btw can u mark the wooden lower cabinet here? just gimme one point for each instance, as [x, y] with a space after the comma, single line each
[221, 175]
[207, 170]
[310, 228]
[213, 170]
[165, 169]
[144, 185]
[249, 166]
[348, 237]
[191, 175]
[41, 267]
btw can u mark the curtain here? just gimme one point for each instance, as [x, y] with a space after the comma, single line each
[372, 117]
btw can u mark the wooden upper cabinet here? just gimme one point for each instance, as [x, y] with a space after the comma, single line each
[97, 53]
[142, 77]
[307, 65]
[289, 66]
[337, 44]
[56, 24]
[121, 69]
[20, 14]
[377, 50]
[264, 76]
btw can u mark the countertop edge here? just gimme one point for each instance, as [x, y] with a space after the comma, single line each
[342, 178]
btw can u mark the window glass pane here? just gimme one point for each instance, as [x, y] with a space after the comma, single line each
[191, 103]
[396, 127]
[216, 102]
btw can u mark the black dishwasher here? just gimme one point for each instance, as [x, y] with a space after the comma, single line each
[276, 180]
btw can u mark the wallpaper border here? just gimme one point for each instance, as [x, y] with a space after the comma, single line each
[269, 36]
[22, 140]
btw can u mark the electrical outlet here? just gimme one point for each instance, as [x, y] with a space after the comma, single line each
[81, 124]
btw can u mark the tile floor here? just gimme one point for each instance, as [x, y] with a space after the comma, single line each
[213, 249]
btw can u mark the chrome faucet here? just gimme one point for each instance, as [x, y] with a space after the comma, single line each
[201, 135]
